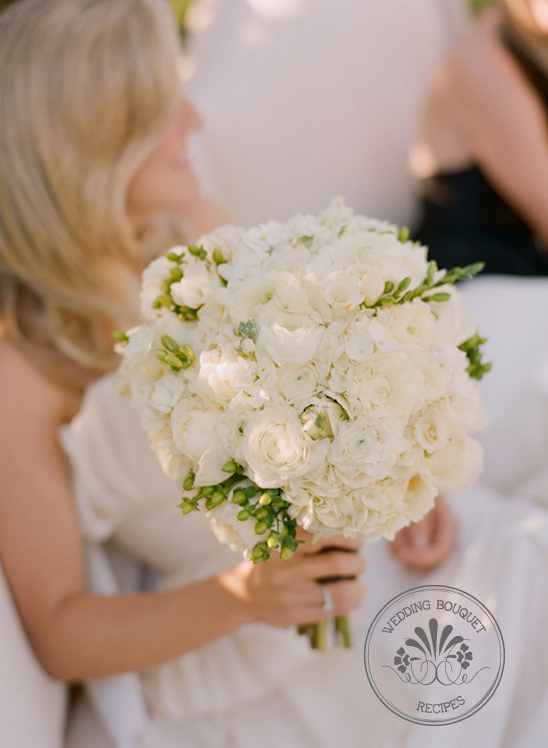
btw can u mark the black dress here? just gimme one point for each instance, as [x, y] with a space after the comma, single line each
[464, 220]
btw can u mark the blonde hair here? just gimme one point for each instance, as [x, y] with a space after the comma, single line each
[87, 89]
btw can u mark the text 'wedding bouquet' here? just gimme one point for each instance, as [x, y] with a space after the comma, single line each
[317, 373]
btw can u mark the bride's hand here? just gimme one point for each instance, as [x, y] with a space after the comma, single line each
[426, 544]
[285, 593]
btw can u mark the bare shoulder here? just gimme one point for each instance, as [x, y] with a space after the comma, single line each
[481, 68]
[28, 399]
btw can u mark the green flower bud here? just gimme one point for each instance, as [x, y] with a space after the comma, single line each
[218, 256]
[169, 343]
[165, 300]
[186, 356]
[172, 360]
[174, 257]
[176, 274]
[403, 234]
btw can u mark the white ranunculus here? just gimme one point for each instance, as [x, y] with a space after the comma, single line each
[456, 466]
[294, 339]
[430, 429]
[297, 382]
[367, 446]
[194, 288]
[195, 436]
[222, 374]
[276, 449]
[413, 325]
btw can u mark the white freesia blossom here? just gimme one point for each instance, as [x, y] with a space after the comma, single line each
[152, 280]
[286, 359]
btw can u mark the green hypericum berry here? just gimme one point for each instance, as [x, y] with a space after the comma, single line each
[261, 513]
[286, 553]
[243, 515]
[217, 498]
[229, 467]
[188, 482]
[260, 527]
[239, 496]
[265, 499]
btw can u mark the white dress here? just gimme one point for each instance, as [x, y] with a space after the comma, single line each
[263, 686]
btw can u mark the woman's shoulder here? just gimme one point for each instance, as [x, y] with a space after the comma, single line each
[481, 66]
[27, 395]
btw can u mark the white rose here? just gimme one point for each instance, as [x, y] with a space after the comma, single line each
[276, 449]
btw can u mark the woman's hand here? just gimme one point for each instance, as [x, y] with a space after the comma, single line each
[426, 544]
[285, 593]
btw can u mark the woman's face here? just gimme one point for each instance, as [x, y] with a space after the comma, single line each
[165, 183]
[539, 11]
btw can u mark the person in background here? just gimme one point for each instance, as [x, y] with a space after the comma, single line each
[481, 151]
[308, 99]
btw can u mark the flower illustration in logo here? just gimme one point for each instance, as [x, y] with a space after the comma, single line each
[434, 656]
[402, 660]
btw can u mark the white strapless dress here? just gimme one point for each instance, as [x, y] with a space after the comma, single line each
[263, 686]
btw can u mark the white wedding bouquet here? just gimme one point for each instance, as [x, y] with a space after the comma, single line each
[316, 373]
